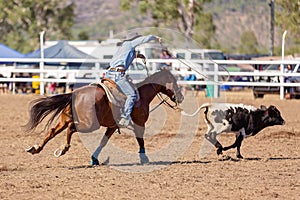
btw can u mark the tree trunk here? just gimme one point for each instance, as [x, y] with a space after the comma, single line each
[187, 18]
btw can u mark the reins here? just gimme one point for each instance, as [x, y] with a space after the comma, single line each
[157, 105]
[163, 100]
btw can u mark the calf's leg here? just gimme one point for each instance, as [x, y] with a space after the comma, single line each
[212, 138]
[237, 144]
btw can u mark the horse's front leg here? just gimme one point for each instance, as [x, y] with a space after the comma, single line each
[64, 148]
[139, 135]
[108, 133]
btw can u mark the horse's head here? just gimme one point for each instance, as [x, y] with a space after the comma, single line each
[169, 85]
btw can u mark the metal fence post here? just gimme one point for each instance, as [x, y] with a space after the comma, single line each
[97, 72]
[42, 83]
[281, 78]
[216, 85]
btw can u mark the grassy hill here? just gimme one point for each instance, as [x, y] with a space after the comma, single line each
[231, 17]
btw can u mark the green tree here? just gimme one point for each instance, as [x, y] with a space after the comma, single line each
[21, 21]
[249, 44]
[83, 35]
[186, 15]
[287, 17]
[205, 31]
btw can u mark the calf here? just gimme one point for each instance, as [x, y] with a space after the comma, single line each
[242, 119]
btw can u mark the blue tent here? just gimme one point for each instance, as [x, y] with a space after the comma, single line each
[6, 52]
[61, 50]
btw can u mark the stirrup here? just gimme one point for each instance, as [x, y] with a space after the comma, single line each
[123, 123]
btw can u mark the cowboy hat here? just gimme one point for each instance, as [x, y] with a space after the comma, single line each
[132, 36]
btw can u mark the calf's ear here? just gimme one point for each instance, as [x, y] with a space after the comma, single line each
[272, 107]
[263, 107]
[266, 115]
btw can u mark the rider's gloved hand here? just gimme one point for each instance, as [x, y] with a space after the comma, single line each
[141, 56]
[158, 39]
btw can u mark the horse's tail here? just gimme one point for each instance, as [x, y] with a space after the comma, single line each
[205, 105]
[42, 107]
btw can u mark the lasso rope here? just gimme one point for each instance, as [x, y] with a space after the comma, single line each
[180, 59]
[190, 115]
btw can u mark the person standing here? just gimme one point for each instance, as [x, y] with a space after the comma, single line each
[287, 79]
[118, 66]
[165, 54]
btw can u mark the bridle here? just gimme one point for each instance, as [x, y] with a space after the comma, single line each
[159, 95]
[165, 100]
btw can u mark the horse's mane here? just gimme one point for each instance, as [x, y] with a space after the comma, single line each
[152, 78]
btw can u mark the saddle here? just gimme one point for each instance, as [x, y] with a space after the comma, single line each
[114, 95]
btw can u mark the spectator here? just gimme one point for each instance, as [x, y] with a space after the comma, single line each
[287, 79]
[189, 77]
[165, 54]
[103, 75]
[52, 88]
[21, 86]
[35, 85]
[62, 86]
[3, 86]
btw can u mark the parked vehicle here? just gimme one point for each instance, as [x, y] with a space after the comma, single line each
[260, 91]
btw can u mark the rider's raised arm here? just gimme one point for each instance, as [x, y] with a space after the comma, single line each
[143, 39]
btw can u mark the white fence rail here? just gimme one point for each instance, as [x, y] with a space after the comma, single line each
[183, 65]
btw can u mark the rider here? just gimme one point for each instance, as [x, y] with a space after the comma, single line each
[120, 63]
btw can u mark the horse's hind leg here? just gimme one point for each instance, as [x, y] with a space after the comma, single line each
[62, 125]
[51, 134]
[64, 148]
[104, 140]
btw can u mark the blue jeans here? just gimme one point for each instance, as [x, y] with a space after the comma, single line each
[129, 91]
[113, 75]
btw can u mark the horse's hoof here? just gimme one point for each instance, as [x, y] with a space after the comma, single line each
[239, 156]
[94, 161]
[32, 150]
[58, 152]
[144, 159]
[142, 150]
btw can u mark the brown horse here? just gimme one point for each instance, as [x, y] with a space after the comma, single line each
[87, 108]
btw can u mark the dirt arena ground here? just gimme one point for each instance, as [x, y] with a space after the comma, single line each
[270, 168]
